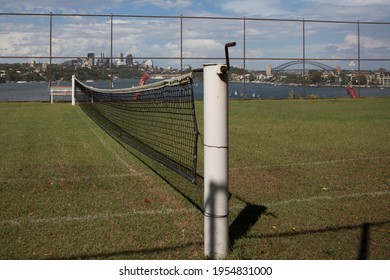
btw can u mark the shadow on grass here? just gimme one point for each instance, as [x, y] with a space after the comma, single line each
[363, 250]
[129, 253]
[245, 220]
[237, 231]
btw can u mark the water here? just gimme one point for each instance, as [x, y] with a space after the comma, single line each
[40, 91]
[273, 91]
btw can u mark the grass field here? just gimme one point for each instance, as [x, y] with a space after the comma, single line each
[310, 179]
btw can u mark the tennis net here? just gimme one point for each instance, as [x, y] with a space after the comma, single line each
[157, 119]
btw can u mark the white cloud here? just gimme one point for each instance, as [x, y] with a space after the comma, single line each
[366, 42]
[24, 40]
[171, 49]
[165, 4]
[370, 47]
[349, 10]
[351, 40]
[351, 3]
[261, 8]
[201, 47]
[69, 6]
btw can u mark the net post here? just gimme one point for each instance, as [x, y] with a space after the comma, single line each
[216, 193]
[51, 95]
[73, 90]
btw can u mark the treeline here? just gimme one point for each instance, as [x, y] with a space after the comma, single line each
[25, 72]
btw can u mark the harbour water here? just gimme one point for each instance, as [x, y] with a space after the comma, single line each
[40, 91]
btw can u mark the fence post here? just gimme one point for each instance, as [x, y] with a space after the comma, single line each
[216, 194]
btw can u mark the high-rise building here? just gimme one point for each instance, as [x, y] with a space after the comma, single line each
[102, 61]
[91, 59]
[268, 70]
[120, 60]
[129, 60]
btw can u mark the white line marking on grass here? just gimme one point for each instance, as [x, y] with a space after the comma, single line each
[71, 178]
[168, 211]
[314, 198]
[117, 156]
[312, 163]
[101, 216]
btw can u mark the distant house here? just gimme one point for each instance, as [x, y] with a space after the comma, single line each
[384, 79]
[148, 63]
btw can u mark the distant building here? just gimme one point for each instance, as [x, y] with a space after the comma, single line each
[129, 60]
[268, 70]
[148, 63]
[45, 65]
[102, 61]
[384, 79]
[120, 60]
[91, 59]
[338, 70]
[73, 62]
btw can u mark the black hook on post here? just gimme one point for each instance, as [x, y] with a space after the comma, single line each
[227, 46]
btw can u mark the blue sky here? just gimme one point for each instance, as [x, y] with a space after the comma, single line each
[363, 10]
[75, 36]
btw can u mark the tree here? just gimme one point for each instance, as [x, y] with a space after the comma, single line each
[363, 80]
[314, 76]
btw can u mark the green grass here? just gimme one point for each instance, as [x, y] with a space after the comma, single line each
[310, 179]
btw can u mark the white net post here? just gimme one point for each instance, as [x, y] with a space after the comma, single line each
[51, 95]
[216, 193]
[73, 90]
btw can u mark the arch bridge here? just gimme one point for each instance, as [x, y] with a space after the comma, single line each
[294, 62]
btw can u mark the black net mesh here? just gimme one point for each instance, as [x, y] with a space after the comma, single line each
[157, 119]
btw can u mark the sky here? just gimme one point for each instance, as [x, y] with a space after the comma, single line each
[203, 39]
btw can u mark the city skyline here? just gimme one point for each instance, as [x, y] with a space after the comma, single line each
[156, 30]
